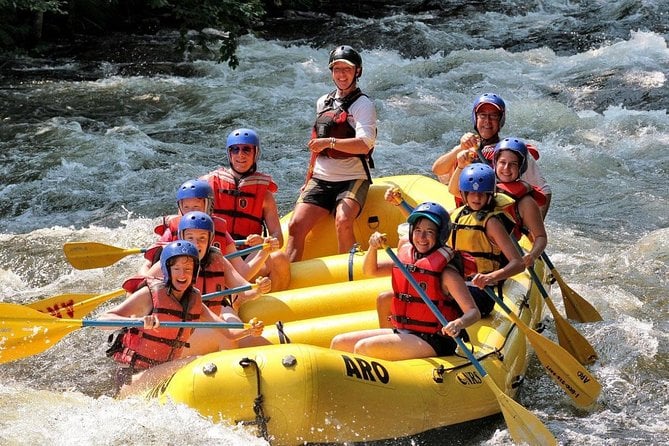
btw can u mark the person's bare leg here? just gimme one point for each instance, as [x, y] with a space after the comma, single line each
[278, 270]
[305, 216]
[383, 304]
[346, 341]
[149, 378]
[345, 215]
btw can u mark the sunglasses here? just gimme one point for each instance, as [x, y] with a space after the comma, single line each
[488, 116]
[246, 150]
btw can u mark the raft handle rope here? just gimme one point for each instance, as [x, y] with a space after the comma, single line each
[261, 420]
[283, 337]
[355, 250]
[438, 372]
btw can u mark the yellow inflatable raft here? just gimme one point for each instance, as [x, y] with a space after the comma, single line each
[302, 391]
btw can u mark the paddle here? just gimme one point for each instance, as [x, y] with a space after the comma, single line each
[25, 332]
[566, 371]
[229, 291]
[89, 255]
[73, 305]
[524, 427]
[568, 337]
[575, 306]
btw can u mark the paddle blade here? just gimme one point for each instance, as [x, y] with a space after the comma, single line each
[25, 332]
[73, 306]
[566, 371]
[524, 426]
[570, 339]
[576, 307]
[89, 255]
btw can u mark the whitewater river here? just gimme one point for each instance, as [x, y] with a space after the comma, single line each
[91, 153]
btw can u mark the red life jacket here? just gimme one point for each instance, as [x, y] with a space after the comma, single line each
[211, 278]
[240, 201]
[408, 309]
[171, 223]
[332, 122]
[517, 190]
[133, 283]
[143, 349]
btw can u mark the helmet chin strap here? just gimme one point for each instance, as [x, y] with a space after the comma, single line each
[353, 82]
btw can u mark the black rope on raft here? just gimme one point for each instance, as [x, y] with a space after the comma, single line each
[260, 420]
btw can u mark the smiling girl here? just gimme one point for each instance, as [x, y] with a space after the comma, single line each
[416, 331]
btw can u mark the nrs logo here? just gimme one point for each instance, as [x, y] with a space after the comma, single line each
[367, 371]
[469, 379]
[59, 308]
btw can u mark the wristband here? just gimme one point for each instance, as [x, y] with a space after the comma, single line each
[332, 143]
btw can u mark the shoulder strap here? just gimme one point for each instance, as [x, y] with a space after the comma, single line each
[351, 98]
[329, 100]
[346, 102]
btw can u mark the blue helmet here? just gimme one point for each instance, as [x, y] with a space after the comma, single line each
[196, 189]
[177, 249]
[515, 145]
[437, 215]
[489, 98]
[197, 220]
[244, 137]
[477, 177]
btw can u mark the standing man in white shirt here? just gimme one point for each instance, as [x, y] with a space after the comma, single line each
[342, 142]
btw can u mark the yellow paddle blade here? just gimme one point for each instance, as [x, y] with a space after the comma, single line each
[25, 332]
[566, 371]
[89, 255]
[73, 306]
[576, 307]
[524, 426]
[570, 338]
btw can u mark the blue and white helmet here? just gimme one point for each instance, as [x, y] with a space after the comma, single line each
[489, 98]
[477, 177]
[197, 220]
[177, 249]
[437, 215]
[196, 189]
[515, 145]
